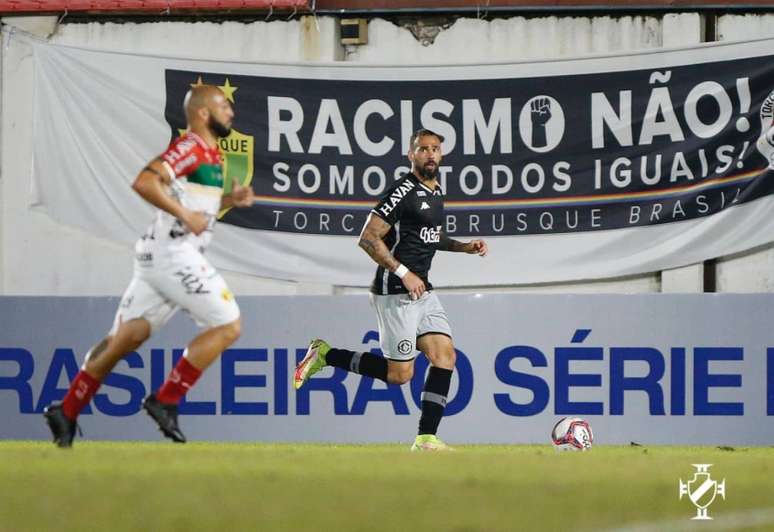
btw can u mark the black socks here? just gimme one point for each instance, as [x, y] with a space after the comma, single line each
[434, 399]
[366, 364]
[433, 394]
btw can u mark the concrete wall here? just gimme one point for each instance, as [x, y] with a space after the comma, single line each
[41, 258]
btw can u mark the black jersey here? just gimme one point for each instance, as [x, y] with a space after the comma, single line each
[415, 213]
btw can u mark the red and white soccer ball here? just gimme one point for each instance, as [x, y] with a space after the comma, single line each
[572, 434]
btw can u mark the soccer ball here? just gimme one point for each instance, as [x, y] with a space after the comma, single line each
[572, 434]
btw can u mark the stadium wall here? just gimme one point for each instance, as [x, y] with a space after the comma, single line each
[680, 369]
[39, 257]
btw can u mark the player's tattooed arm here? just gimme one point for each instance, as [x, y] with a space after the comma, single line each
[156, 169]
[371, 241]
[449, 244]
[478, 247]
[151, 183]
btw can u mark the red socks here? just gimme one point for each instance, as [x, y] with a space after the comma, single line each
[84, 386]
[82, 389]
[180, 380]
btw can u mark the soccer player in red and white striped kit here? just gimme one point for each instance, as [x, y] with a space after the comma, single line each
[185, 183]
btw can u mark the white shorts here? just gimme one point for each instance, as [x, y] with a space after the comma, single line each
[402, 321]
[185, 279]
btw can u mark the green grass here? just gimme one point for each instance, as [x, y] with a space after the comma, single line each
[227, 487]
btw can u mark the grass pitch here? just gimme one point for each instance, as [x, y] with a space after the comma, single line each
[229, 487]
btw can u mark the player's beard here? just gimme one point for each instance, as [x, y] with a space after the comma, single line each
[218, 129]
[429, 173]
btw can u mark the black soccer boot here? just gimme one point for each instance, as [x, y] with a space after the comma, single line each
[165, 417]
[62, 428]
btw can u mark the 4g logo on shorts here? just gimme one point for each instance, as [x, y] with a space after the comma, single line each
[430, 235]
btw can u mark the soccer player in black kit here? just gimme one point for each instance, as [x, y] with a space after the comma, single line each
[401, 235]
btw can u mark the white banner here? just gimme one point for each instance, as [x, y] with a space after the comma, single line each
[573, 169]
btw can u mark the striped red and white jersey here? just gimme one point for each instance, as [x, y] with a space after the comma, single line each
[197, 183]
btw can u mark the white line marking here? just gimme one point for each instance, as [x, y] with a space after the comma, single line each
[732, 521]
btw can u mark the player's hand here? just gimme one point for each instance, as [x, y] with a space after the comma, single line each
[196, 221]
[478, 247]
[242, 196]
[414, 285]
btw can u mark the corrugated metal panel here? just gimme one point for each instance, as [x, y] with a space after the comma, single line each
[513, 5]
[154, 6]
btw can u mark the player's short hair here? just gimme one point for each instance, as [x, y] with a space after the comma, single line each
[423, 133]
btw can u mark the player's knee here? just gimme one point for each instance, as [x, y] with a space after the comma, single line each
[400, 375]
[451, 356]
[445, 357]
[232, 331]
[400, 378]
[448, 359]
